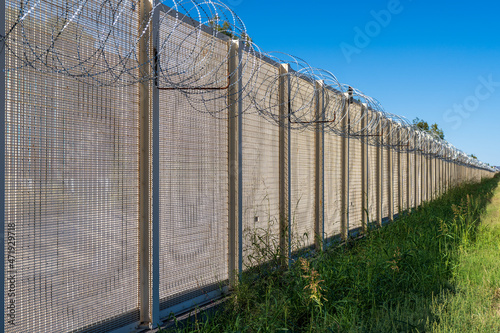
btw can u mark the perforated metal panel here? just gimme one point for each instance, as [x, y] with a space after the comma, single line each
[302, 173]
[386, 179]
[260, 171]
[355, 187]
[404, 180]
[411, 180]
[418, 178]
[193, 177]
[395, 180]
[372, 183]
[332, 184]
[71, 182]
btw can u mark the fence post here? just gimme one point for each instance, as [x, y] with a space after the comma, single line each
[344, 193]
[379, 174]
[440, 176]
[408, 187]
[431, 173]
[456, 170]
[451, 171]
[453, 174]
[450, 174]
[423, 184]
[416, 180]
[445, 181]
[364, 171]
[320, 172]
[426, 172]
[235, 260]
[145, 232]
[448, 170]
[400, 185]
[436, 175]
[284, 176]
[155, 234]
[390, 171]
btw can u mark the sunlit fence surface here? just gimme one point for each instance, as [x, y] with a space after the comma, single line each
[148, 151]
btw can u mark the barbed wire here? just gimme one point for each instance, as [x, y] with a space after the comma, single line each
[96, 42]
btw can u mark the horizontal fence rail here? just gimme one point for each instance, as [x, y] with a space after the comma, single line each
[150, 154]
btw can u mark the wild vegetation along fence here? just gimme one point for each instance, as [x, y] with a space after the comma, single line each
[150, 153]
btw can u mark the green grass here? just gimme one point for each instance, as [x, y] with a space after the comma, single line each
[475, 307]
[436, 269]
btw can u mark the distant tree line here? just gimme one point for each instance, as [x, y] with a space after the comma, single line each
[432, 129]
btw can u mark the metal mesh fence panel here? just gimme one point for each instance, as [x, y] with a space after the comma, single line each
[386, 179]
[355, 186]
[411, 180]
[418, 158]
[193, 199]
[404, 180]
[260, 172]
[372, 183]
[395, 181]
[302, 188]
[71, 184]
[332, 184]
[302, 172]
[193, 181]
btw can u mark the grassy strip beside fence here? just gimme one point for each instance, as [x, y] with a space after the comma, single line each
[413, 275]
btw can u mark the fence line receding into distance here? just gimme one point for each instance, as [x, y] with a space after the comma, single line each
[147, 149]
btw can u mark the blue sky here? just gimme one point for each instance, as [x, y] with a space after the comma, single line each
[436, 60]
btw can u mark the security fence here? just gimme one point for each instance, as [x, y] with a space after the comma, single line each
[148, 151]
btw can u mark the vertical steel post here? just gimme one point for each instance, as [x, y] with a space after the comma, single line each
[319, 179]
[448, 173]
[379, 174]
[145, 241]
[400, 182]
[448, 167]
[437, 175]
[364, 170]
[441, 190]
[155, 182]
[423, 165]
[390, 175]
[453, 173]
[445, 182]
[284, 163]
[431, 172]
[344, 165]
[408, 187]
[416, 182]
[235, 263]
[239, 70]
